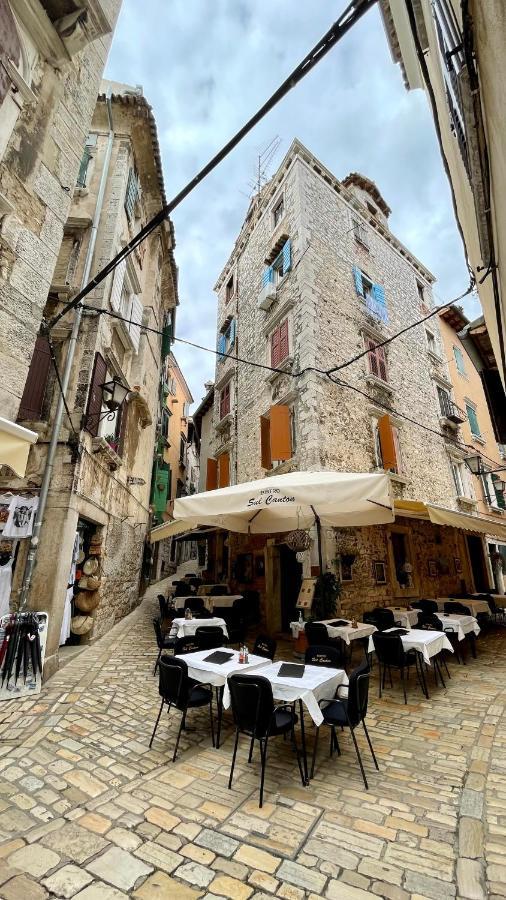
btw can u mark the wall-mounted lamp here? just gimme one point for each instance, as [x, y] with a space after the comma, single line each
[114, 394]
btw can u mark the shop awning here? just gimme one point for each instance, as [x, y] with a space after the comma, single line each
[15, 443]
[441, 515]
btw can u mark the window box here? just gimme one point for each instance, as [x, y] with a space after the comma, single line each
[101, 445]
[467, 503]
[374, 381]
[225, 422]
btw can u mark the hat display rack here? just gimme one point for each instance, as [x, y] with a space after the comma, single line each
[88, 581]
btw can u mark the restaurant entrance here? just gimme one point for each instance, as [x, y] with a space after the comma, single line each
[290, 570]
[477, 558]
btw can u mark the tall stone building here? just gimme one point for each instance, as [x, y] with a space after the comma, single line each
[52, 56]
[316, 278]
[102, 474]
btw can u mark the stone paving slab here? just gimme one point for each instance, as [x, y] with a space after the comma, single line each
[88, 811]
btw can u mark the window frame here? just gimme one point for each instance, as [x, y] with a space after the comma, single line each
[460, 366]
[230, 289]
[280, 202]
[472, 414]
[225, 400]
[376, 358]
[430, 338]
[360, 233]
[277, 361]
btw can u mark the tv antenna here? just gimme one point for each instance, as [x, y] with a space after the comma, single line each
[264, 160]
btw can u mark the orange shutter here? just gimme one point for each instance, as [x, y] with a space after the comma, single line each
[212, 475]
[265, 442]
[223, 470]
[387, 441]
[281, 437]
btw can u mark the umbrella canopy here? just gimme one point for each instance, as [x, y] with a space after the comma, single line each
[15, 443]
[286, 502]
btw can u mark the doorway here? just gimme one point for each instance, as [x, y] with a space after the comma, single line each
[477, 559]
[290, 578]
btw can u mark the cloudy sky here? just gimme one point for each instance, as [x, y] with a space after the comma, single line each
[207, 65]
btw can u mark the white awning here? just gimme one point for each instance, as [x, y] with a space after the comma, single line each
[15, 443]
[441, 515]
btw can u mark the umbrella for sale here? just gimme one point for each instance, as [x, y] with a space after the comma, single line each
[5, 643]
[20, 649]
[11, 651]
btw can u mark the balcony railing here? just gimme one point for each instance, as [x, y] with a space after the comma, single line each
[452, 412]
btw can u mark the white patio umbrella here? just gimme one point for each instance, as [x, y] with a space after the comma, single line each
[286, 502]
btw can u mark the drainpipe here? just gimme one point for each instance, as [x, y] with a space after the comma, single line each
[31, 559]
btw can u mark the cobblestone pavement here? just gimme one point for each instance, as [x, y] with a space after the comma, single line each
[88, 811]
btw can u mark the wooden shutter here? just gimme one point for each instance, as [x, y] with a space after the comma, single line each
[373, 359]
[387, 441]
[117, 285]
[275, 347]
[94, 407]
[357, 277]
[10, 45]
[36, 382]
[287, 256]
[280, 433]
[265, 442]
[212, 475]
[283, 340]
[223, 462]
[134, 328]
[225, 401]
[382, 363]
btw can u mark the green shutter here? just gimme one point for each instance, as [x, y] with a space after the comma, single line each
[166, 340]
[160, 489]
[83, 168]
[500, 499]
[473, 421]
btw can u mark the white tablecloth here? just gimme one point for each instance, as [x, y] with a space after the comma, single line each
[428, 643]
[209, 602]
[476, 606]
[317, 683]
[346, 632]
[461, 624]
[212, 673]
[184, 627]
[407, 617]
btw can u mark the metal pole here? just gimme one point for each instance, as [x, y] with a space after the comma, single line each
[319, 536]
[31, 559]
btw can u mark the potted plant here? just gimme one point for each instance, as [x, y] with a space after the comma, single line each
[327, 591]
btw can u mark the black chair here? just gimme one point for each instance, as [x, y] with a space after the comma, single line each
[182, 589]
[459, 608]
[176, 689]
[256, 716]
[219, 590]
[391, 654]
[384, 618]
[427, 606]
[317, 635]
[196, 604]
[163, 641]
[348, 712]
[210, 636]
[164, 609]
[265, 646]
[431, 622]
[188, 644]
[497, 612]
[331, 657]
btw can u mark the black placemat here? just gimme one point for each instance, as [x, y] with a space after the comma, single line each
[338, 623]
[219, 657]
[291, 670]
[399, 631]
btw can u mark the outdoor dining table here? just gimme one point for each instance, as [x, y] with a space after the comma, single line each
[475, 606]
[347, 632]
[185, 627]
[317, 683]
[202, 669]
[460, 623]
[224, 601]
[428, 645]
[405, 617]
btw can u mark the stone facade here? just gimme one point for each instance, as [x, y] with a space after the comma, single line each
[102, 473]
[335, 230]
[46, 107]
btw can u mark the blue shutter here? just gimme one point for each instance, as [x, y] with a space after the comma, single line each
[231, 331]
[287, 256]
[357, 275]
[222, 345]
[379, 294]
[268, 276]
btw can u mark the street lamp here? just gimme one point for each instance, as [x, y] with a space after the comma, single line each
[474, 464]
[114, 394]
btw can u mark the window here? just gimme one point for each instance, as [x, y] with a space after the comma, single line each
[372, 209]
[186, 409]
[360, 233]
[387, 447]
[182, 450]
[493, 496]
[226, 339]
[377, 360]
[445, 403]
[66, 265]
[460, 479]
[373, 294]
[133, 193]
[125, 302]
[32, 401]
[230, 289]
[225, 401]
[278, 212]
[431, 342]
[282, 264]
[164, 424]
[279, 344]
[459, 360]
[452, 61]
[473, 420]
[276, 436]
[218, 472]
[83, 175]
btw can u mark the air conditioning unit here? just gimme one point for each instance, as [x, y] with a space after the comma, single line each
[267, 296]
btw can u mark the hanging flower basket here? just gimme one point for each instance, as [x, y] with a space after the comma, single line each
[298, 540]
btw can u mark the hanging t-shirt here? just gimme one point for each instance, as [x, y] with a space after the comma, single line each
[5, 587]
[21, 515]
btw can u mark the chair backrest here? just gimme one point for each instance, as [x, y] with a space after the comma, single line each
[182, 589]
[158, 633]
[428, 606]
[252, 703]
[265, 646]
[384, 618]
[370, 617]
[195, 603]
[317, 633]
[429, 622]
[188, 644]
[389, 648]
[209, 637]
[219, 590]
[458, 608]
[174, 685]
[331, 657]
[164, 610]
[416, 604]
[358, 693]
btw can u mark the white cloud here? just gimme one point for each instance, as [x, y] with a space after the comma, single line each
[206, 67]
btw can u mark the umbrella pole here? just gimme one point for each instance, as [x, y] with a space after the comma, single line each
[319, 536]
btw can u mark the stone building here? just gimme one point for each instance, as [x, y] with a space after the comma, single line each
[102, 475]
[203, 422]
[52, 55]
[454, 50]
[316, 278]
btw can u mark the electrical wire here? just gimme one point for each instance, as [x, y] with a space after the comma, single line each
[60, 385]
[351, 15]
